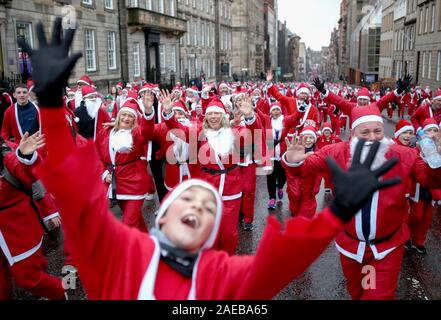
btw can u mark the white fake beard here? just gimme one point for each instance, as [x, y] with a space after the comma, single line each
[121, 141]
[185, 122]
[380, 158]
[221, 141]
[180, 149]
[78, 98]
[92, 107]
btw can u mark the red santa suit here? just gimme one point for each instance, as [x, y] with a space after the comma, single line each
[376, 235]
[21, 237]
[218, 159]
[121, 152]
[322, 142]
[121, 263]
[411, 101]
[11, 125]
[425, 112]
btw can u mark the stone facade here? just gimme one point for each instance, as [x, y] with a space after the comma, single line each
[248, 38]
[428, 43]
[387, 40]
[270, 34]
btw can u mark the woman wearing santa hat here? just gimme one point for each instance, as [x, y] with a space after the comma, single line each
[121, 149]
[218, 150]
[421, 210]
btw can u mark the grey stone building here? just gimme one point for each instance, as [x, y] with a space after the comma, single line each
[387, 40]
[428, 43]
[270, 34]
[248, 38]
[206, 48]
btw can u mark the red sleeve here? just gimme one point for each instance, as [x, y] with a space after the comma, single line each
[287, 102]
[344, 105]
[423, 174]
[6, 126]
[383, 103]
[416, 118]
[283, 255]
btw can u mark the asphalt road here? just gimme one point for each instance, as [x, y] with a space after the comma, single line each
[420, 277]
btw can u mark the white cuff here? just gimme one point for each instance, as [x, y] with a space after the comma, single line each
[26, 161]
[54, 215]
[167, 117]
[324, 96]
[397, 94]
[268, 86]
[292, 164]
[149, 117]
[105, 174]
[251, 121]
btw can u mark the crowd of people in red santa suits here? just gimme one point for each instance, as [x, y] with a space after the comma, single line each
[146, 155]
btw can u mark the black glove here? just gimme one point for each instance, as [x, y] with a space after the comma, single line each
[320, 85]
[402, 85]
[354, 187]
[51, 64]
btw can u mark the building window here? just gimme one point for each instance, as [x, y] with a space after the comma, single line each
[426, 24]
[87, 2]
[429, 66]
[438, 67]
[423, 75]
[90, 50]
[24, 30]
[162, 58]
[111, 47]
[161, 6]
[432, 23]
[108, 4]
[136, 60]
[173, 59]
[421, 22]
[172, 8]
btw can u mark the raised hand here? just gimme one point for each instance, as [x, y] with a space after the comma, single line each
[296, 152]
[166, 101]
[29, 144]
[354, 187]
[246, 107]
[51, 64]
[402, 85]
[148, 100]
[269, 76]
[320, 85]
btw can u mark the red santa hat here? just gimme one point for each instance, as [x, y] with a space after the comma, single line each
[430, 124]
[437, 95]
[70, 91]
[365, 114]
[403, 126]
[215, 105]
[30, 85]
[132, 106]
[146, 87]
[85, 80]
[327, 126]
[87, 91]
[303, 88]
[119, 85]
[275, 105]
[308, 129]
[180, 106]
[223, 85]
[364, 93]
[136, 88]
[194, 90]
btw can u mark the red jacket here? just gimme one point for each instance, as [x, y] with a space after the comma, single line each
[113, 258]
[323, 142]
[422, 113]
[11, 126]
[389, 210]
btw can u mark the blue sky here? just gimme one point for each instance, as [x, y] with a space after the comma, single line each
[313, 20]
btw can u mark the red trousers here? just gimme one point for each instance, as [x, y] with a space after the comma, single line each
[390, 112]
[420, 219]
[228, 235]
[401, 111]
[30, 275]
[132, 213]
[249, 192]
[382, 275]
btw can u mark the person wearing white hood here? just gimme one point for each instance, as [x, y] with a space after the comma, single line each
[90, 114]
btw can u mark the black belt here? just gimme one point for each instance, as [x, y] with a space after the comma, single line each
[215, 172]
[112, 168]
[375, 241]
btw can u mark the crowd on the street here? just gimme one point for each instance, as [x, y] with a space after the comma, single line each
[70, 153]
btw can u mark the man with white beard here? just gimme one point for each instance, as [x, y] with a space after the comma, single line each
[372, 245]
[90, 114]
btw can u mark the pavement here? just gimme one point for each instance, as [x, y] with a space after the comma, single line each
[420, 277]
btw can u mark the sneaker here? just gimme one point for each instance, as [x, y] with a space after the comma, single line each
[248, 226]
[420, 249]
[408, 245]
[272, 204]
[280, 194]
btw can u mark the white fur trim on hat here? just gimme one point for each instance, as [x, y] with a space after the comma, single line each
[404, 129]
[303, 90]
[437, 97]
[275, 107]
[327, 128]
[370, 118]
[89, 94]
[310, 132]
[85, 82]
[431, 126]
[130, 110]
[178, 191]
[177, 108]
[364, 97]
[215, 109]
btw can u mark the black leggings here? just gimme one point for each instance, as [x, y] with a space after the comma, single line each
[276, 180]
